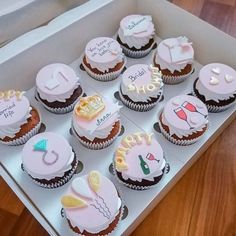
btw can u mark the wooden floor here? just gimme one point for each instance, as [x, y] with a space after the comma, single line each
[203, 202]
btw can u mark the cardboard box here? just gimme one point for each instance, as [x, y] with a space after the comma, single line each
[63, 40]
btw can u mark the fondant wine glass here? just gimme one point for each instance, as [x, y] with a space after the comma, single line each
[182, 115]
[151, 157]
[190, 107]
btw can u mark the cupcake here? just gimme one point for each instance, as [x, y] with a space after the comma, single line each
[103, 59]
[58, 88]
[96, 122]
[49, 160]
[174, 57]
[92, 205]
[136, 35]
[18, 120]
[141, 87]
[216, 86]
[184, 120]
[139, 161]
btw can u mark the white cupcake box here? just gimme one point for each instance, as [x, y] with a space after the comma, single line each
[64, 40]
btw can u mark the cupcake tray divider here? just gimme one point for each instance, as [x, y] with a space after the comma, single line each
[64, 39]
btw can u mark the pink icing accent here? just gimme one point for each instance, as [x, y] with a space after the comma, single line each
[164, 52]
[125, 22]
[66, 83]
[223, 87]
[134, 170]
[33, 160]
[103, 50]
[18, 110]
[185, 102]
[139, 74]
[89, 217]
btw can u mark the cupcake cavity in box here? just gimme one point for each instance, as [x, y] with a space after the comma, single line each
[63, 40]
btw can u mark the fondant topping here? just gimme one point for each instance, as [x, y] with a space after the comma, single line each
[14, 111]
[56, 82]
[141, 82]
[103, 53]
[139, 157]
[185, 115]
[101, 125]
[90, 107]
[174, 54]
[47, 155]
[99, 206]
[136, 30]
[217, 82]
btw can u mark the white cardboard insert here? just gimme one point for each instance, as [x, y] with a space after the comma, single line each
[63, 40]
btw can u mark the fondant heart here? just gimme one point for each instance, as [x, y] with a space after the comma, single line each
[80, 187]
[214, 81]
[229, 78]
[216, 70]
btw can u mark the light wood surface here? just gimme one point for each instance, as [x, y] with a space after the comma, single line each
[203, 202]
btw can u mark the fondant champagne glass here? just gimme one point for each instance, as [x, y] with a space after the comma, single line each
[182, 115]
[190, 107]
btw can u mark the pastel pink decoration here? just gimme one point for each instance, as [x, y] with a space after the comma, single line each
[220, 85]
[102, 206]
[49, 162]
[178, 118]
[56, 82]
[103, 53]
[13, 110]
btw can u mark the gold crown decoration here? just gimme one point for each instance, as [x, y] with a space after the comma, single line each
[89, 107]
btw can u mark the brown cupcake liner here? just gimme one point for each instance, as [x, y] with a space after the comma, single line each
[178, 142]
[107, 76]
[175, 79]
[135, 187]
[61, 182]
[136, 54]
[214, 108]
[139, 107]
[63, 110]
[96, 146]
[23, 139]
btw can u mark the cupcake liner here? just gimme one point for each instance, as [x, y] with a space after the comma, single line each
[138, 107]
[61, 182]
[23, 139]
[63, 110]
[178, 142]
[96, 146]
[107, 76]
[135, 187]
[136, 54]
[214, 108]
[175, 79]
